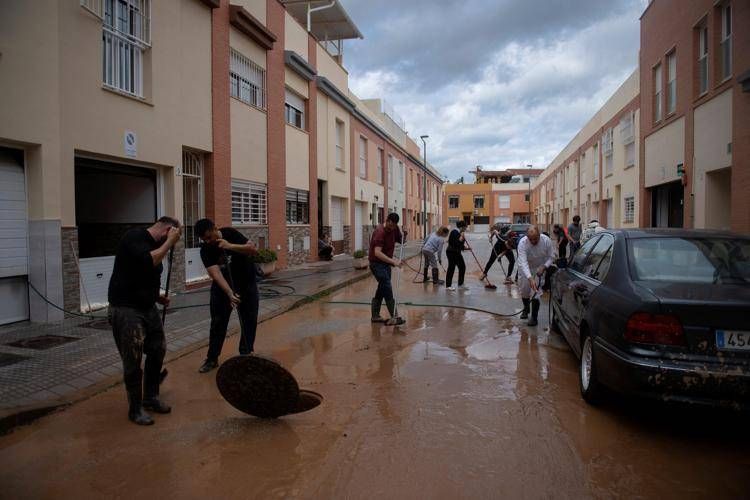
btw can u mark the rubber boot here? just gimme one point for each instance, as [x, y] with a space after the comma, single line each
[375, 305]
[525, 313]
[151, 401]
[135, 410]
[534, 313]
[436, 277]
[391, 304]
[425, 279]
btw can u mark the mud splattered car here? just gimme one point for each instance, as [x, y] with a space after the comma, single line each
[659, 313]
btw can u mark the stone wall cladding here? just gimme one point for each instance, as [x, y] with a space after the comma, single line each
[70, 275]
[178, 268]
[257, 234]
[297, 254]
[347, 239]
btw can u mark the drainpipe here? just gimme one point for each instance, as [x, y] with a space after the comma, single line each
[316, 9]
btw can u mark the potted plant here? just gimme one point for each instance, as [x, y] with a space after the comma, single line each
[360, 260]
[266, 259]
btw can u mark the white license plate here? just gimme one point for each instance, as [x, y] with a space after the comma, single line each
[727, 340]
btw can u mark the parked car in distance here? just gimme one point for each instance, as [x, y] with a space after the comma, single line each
[517, 232]
[660, 313]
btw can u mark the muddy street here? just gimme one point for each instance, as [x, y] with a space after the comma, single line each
[457, 403]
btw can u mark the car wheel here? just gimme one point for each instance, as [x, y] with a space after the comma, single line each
[591, 389]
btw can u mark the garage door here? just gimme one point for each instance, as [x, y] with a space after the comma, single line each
[358, 236]
[337, 219]
[608, 222]
[14, 296]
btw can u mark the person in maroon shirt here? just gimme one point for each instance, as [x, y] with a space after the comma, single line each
[382, 245]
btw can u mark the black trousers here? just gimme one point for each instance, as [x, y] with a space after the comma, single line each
[138, 332]
[455, 259]
[495, 255]
[221, 310]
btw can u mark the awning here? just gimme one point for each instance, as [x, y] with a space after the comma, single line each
[327, 24]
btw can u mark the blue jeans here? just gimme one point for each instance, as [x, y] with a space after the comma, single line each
[382, 273]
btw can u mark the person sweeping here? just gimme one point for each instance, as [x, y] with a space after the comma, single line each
[501, 248]
[535, 254]
[382, 245]
[432, 253]
[456, 245]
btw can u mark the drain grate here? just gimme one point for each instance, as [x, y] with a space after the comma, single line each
[7, 359]
[42, 342]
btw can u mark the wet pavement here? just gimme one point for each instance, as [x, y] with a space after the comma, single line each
[455, 404]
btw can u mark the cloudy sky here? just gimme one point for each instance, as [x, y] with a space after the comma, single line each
[497, 83]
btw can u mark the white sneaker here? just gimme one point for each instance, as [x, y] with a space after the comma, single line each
[451, 288]
[463, 287]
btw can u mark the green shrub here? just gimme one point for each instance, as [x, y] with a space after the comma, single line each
[265, 256]
[360, 254]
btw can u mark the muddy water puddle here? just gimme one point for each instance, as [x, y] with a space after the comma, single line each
[456, 404]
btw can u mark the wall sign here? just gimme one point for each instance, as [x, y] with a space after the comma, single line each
[130, 142]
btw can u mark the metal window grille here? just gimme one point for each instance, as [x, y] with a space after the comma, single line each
[478, 201]
[702, 60]
[192, 194]
[248, 202]
[453, 202]
[363, 157]
[629, 209]
[126, 33]
[294, 109]
[297, 206]
[247, 80]
[726, 42]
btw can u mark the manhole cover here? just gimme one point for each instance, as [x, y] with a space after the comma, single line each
[43, 342]
[10, 359]
[97, 324]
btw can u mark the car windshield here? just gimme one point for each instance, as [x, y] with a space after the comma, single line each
[519, 227]
[690, 260]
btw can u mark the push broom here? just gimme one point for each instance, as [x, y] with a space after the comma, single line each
[489, 285]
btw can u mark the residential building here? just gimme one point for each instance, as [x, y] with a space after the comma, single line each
[115, 112]
[695, 96]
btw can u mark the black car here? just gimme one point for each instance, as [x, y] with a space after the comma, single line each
[517, 232]
[659, 313]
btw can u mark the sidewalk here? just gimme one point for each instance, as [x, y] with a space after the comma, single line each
[45, 366]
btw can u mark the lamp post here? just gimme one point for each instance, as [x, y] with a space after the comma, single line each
[424, 187]
[530, 167]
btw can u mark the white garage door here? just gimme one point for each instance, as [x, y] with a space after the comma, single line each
[608, 222]
[358, 236]
[14, 296]
[481, 228]
[194, 268]
[337, 219]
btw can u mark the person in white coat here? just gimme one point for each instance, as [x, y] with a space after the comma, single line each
[536, 253]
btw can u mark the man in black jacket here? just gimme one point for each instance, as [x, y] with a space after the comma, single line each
[226, 254]
[136, 324]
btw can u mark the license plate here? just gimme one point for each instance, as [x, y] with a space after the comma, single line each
[727, 340]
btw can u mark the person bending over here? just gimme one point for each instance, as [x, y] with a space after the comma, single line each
[136, 323]
[432, 253]
[456, 245]
[501, 248]
[226, 253]
[382, 246]
[535, 254]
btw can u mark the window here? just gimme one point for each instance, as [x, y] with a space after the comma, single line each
[248, 202]
[340, 139]
[390, 172]
[627, 134]
[503, 201]
[630, 155]
[363, 157]
[726, 41]
[401, 176]
[192, 195]
[526, 197]
[297, 206]
[629, 209]
[702, 60]
[411, 181]
[657, 93]
[579, 260]
[671, 82]
[478, 201]
[453, 202]
[247, 80]
[294, 108]
[595, 174]
[381, 160]
[126, 34]
[597, 265]
[607, 149]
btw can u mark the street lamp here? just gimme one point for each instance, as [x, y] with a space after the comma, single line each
[530, 167]
[424, 187]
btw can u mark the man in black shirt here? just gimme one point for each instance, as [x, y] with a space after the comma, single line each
[226, 254]
[136, 325]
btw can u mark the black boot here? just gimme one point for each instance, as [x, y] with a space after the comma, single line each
[156, 405]
[525, 313]
[208, 365]
[425, 279]
[151, 401]
[534, 313]
[391, 304]
[135, 410]
[375, 305]
[436, 277]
